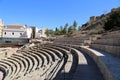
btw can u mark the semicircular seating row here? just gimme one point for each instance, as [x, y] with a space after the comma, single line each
[43, 62]
[109, 42]
[73, 40]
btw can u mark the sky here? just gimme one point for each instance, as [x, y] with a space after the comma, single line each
[53, 13]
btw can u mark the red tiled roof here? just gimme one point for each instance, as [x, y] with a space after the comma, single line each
[14, 26]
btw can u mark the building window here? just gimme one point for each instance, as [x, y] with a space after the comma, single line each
[7, 41]
[20, 33]
[40, 31]
[13, 33]
[5, 33]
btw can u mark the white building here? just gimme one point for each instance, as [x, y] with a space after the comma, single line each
[15, 34]
[0, 31]
[1, 27]
[16, 31]
[41, 32]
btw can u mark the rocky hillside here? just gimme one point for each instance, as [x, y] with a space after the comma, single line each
[96, 24]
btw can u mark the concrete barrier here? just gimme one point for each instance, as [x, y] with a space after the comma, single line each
[103, 68]
[115, 50]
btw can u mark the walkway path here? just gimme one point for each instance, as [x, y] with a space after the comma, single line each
[112, 63]
[87, 70]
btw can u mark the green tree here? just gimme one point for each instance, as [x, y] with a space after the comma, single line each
[74, 24]
[61, 28]
[49, 32]
[57, 31]
[113, 22]
[79, 28]
[65, 30]
[70, 30]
